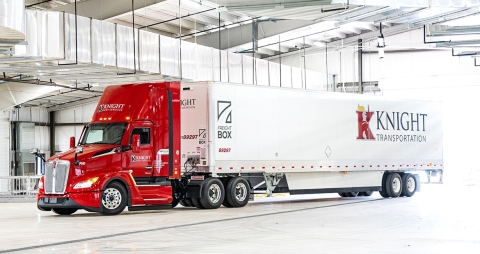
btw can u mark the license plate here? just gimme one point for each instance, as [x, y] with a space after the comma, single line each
[50, 200]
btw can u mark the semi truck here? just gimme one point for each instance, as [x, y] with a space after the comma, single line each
[154, 145]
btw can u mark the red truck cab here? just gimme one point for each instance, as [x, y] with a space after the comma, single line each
[128, 155]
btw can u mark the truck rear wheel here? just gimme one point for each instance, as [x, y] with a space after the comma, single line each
[196, 202]
[409, 185]
[213, 193]
[186, 203]
[64, 211]
[114, 199]
[238, 192]
[393, 185]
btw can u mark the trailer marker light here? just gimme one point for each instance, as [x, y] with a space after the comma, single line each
[241, 168]
[345, 172]
[273, 167]
[219, 168]
[346, 166]
[386, 166]
[329, 166]
[263, 167]
[109, 118]
[370, 165]
[128, 118]
[321, 166]
[253, 167]
[231, 168]
[303, 167]
[293, 166]
[311, 167]
[283, 166]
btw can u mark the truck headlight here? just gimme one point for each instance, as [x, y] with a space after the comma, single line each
[86, 184]
[40, 183]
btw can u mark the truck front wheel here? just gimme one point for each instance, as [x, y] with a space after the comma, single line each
[238, 192]
[213, 193]
[114, 199]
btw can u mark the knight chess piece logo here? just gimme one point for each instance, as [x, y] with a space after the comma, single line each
[364, 118]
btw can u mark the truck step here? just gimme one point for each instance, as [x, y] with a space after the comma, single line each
[149, 207]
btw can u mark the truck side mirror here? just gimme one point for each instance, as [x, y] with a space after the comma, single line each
[72, 142]
[136, 143]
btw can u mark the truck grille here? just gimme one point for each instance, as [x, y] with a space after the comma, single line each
[55, 180]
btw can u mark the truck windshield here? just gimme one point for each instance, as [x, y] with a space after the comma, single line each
[104, 133]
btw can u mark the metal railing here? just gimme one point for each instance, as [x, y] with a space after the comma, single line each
[18, 186]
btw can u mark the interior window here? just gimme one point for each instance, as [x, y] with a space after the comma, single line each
[144, 135]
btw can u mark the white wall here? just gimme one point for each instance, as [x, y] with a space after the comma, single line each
[83, 114]
[5, 143]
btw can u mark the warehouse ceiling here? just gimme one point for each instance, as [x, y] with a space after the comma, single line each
[301, 24]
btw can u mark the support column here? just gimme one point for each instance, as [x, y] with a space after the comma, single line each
[360, 67]
[52, 133]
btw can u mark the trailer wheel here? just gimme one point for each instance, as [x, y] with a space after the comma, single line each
[196, 203]
[342, 194]
[365, 193]
[409, 185]
[383, 192]
[213, 193]
[351, 194]
[114, 199]
[393, 185]
[238, 192]
[64, 211]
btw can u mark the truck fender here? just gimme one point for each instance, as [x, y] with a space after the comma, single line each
[194, 189]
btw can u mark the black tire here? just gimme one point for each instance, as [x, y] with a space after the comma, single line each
[64, 211]
[196, 203]
[409, 185]
[365, 193]
[342, 194]
[226, 204]
[184, 203]
[238, 192]
[393, 185]
[351, 194]
[175, 202]
[213, 193]
[188, 202]
[383, 192]
[114, 199]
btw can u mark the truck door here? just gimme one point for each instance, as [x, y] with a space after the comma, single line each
[141, 162]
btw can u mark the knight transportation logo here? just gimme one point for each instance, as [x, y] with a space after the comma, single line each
[391, 126]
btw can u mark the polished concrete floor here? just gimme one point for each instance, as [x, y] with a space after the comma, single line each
[439, 219]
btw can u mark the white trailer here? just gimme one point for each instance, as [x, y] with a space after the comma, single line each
[304, 141]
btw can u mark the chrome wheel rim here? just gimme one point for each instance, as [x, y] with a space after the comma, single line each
[112, 198]
[214, 193]
[240, 191]
[410, 184]
[396, 185]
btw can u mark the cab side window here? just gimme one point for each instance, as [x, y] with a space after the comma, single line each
[144, 135]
